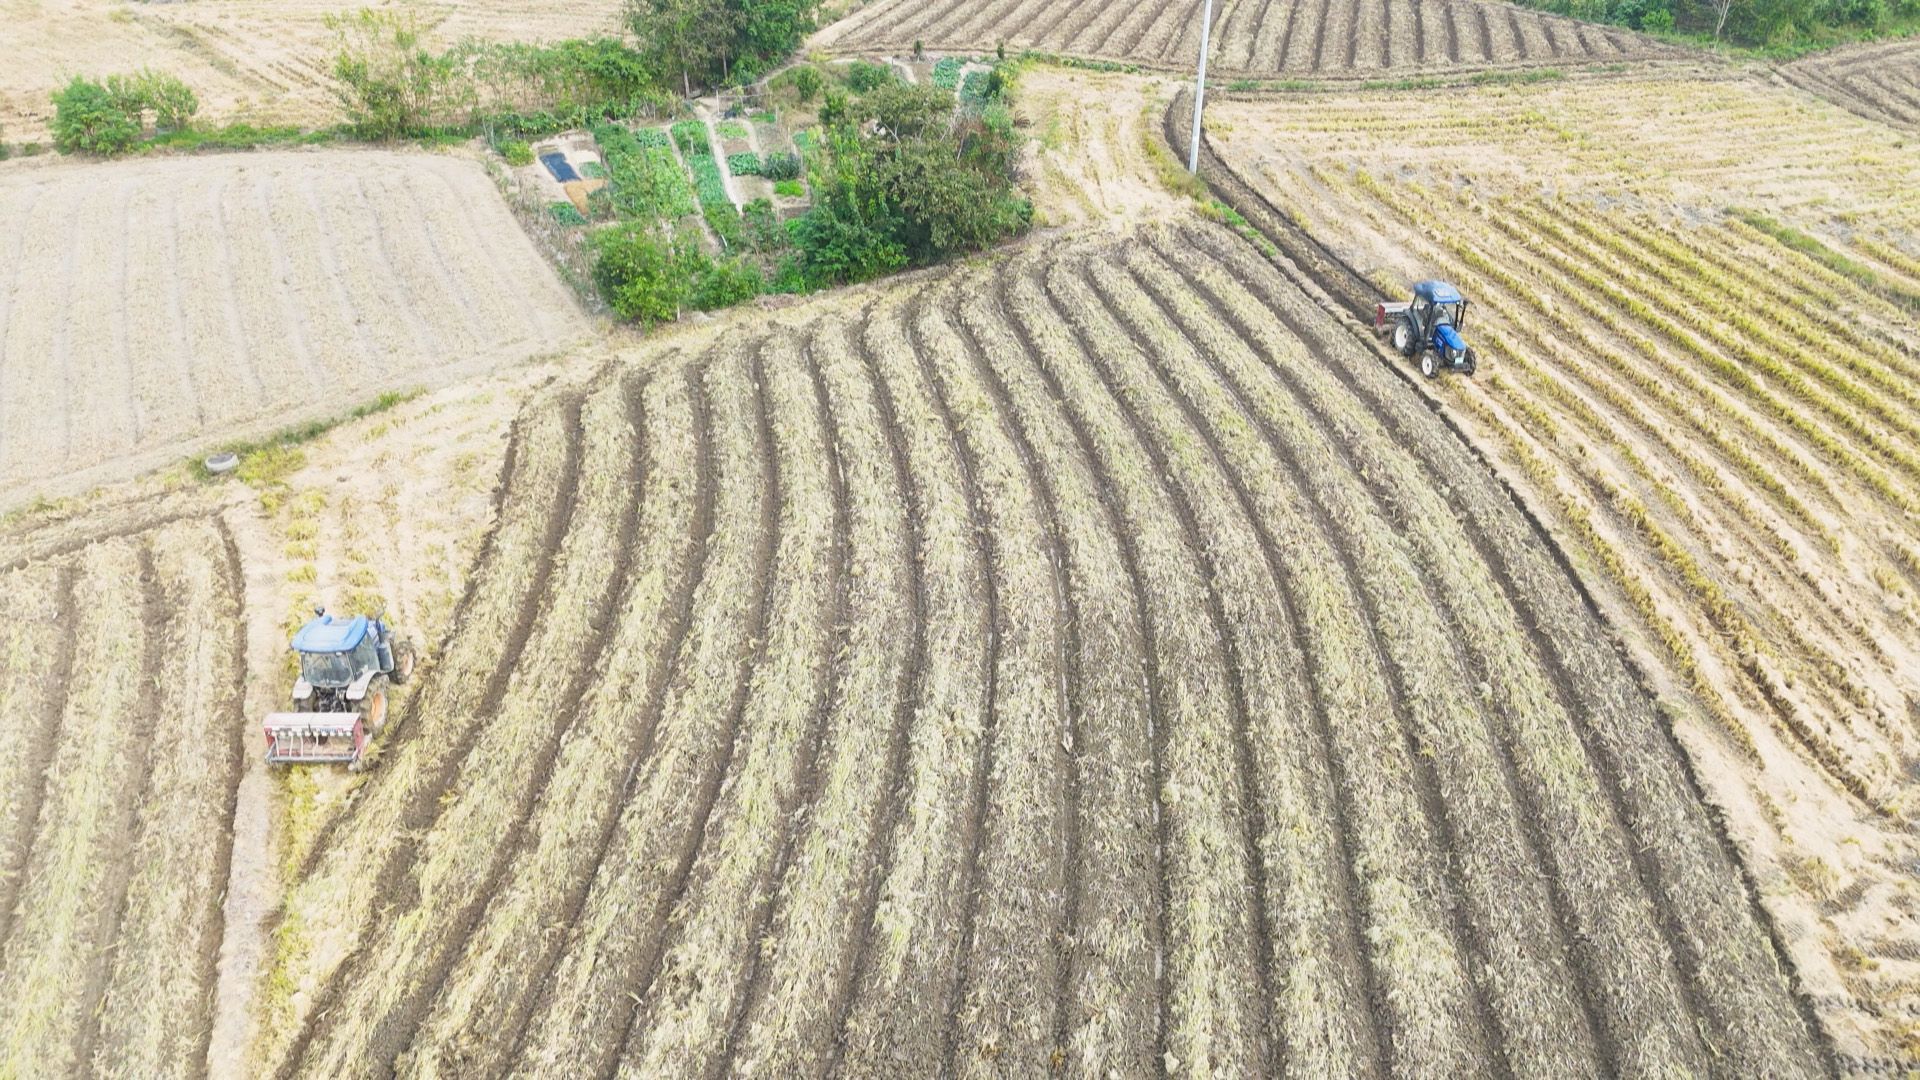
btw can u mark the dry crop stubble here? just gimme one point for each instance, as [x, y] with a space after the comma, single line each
[157, 305]
[119, 809]
[1088, 668]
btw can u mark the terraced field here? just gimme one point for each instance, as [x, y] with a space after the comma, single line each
[251, 60]
[1880, 82]
[1251, 38]
[147, 307]
[124, 730]
[1095, 661]
[1716, 420]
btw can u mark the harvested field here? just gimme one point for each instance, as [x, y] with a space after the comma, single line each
[148, 307]
[1718, 424]
[120, 678]
[258, 61]
[1879, 82]
[1251, 38]
[1093, 661]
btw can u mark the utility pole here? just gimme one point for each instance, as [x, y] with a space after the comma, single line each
[1200, 92]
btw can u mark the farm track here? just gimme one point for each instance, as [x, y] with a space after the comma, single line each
[212, 298]
[1068, 663]
[1322, 38]
[108, 960]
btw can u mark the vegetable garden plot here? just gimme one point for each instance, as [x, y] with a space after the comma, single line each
[120, 675]
[1092, 661]
[1717, 423]
[1251, 38]
[146, 307]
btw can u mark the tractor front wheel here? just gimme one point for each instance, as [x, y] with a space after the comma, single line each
[1467, 364]
[403, 660]
[1429, 364]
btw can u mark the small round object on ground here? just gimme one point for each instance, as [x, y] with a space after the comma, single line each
[222, 463]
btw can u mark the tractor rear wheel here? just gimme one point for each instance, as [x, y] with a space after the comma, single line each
[1403, 338]
[1429, 364]
[403, 661]
[373, 706]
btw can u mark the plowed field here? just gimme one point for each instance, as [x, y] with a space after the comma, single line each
[1719, 426]
[1880, 82]
[146, 307]
[1094, 661]
[264, 61]
[120, 681]
[1251, 38]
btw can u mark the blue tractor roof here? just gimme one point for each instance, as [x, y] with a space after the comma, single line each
[324, 635]
[1437, 292]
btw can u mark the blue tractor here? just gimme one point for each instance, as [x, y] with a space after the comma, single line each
[340, 699]
[1427, 328]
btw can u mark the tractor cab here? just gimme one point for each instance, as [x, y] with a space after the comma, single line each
[1429, 327]
[340, 698]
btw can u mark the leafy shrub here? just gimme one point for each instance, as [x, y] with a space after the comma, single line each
[781, 167]
[807, 83]
[90, 119]
[517, 153]
[975, 90]
[766, 233]
[172, 102]
[593, 170]
[388, 82]
[726, 283]
[863, 76]
[743, 164]
[565, 213]
[641, 277]
[791, 189]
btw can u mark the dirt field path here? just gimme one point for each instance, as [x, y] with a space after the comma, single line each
[1091, 163]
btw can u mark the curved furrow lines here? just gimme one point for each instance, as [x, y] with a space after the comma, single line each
[505, 960]
[339, 885]
[801, 987]
[682, 1021]
[587, 1004]
[1677, 850]
[453, 865]
[912, 963]
[1554, 791]
[1109, 1001]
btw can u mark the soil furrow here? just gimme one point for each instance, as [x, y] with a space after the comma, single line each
[1106, 977]
[488, 996]
[35, 667]
[613, 946]
[419, 764]
[1012, 967]
[1243, 1038]
[927, 906]
[683, 1017]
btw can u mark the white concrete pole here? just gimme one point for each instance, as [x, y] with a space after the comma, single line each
[1200, 91]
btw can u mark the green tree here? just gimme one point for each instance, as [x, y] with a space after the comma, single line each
[807, 82]
[388, 81]
[690, 38]
[89, 118]
[642, 277]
